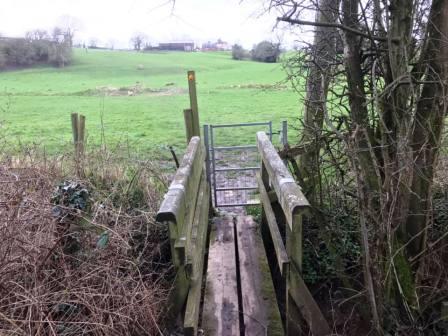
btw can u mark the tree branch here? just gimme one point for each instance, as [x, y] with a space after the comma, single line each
[335, 25]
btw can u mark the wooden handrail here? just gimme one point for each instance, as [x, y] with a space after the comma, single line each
[277, 185]
[288, 192]
[185, 210]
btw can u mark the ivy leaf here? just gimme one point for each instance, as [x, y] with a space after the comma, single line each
[103, 240]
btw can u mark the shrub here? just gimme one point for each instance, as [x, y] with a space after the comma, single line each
[20, 52]
[60, 54]
[41, 49]
[266, 51]
[81, 256]
[238, 52]
[2, 60]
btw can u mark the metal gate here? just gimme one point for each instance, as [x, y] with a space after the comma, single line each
[232, 166]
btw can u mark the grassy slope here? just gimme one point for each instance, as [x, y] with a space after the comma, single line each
[41, 99]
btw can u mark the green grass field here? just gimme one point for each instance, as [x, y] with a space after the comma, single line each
[36, 103]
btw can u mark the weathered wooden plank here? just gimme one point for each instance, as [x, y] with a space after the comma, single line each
[294, 242]
[295, 324]
[193, 234]
[178, 295]
[81, 133]
[260, 308]
[188, 118]
[192, 197]
[200, 239]
[197, 247]
[74, 118]
[173, 205]
[279, 247]
[180, 200]
[288, 192]
[220, 314]
[305, 301]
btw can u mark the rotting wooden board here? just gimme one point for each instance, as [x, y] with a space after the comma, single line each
[220, 314]
[260, 309]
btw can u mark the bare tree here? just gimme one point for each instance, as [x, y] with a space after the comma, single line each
[37, 35]
[112, 43]
[138, 41]
[69, 25]
[93, 42]
[319, 58]
[387, 94]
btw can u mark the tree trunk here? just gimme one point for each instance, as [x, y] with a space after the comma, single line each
[428, 125]
[322, 56]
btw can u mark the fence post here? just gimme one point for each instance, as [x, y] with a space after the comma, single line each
[81, 134]
[78, 130]
[284, 133]
[194, 102]
[75, 130]
[188, 117]
[207, 166]
[207, 153]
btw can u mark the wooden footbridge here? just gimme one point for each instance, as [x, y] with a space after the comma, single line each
[235, 276]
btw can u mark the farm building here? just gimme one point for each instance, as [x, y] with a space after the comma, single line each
[179, 46]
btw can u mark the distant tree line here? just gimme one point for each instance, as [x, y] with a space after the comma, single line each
[264, 51]
[38, 47]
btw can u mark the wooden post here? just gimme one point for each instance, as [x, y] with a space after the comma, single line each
[78, 130]
[81, 134]
[188, 117]
[284, 133]
[294, 250]
[194, 102]
[294, 241]
[75, 129]
[265, 177]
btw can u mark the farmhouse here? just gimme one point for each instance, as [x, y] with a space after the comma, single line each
[219, 45]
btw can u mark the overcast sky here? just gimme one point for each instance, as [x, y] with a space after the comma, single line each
[234, 21]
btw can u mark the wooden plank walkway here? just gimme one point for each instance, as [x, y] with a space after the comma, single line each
[239, 294]
[220, 314]
[260, 309]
